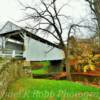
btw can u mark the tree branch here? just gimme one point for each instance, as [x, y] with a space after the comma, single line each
[56, 14]
[37, 29]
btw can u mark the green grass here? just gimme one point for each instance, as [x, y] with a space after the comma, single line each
[39, 71]
[42, 70]
[43, 63]
[36, 89]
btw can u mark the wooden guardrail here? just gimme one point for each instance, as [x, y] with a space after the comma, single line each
[11, 53]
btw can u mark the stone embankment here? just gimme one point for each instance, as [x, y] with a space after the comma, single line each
[10, 70]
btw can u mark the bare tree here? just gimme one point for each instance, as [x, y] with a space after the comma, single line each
[48, 20]
[95, 8]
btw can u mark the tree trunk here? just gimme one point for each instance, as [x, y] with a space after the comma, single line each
[97, 13]
[66, 63]
[95, 7]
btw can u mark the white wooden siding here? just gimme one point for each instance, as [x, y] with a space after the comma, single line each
[37, 51]
[8, 27]
[0, 42]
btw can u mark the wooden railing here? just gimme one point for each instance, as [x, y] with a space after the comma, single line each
[11, 53]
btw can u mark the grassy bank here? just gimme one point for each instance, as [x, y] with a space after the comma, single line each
[35, 89]
[43, 67]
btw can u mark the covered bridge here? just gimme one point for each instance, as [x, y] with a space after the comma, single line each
[18, 42]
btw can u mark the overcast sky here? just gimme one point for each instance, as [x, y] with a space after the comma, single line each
[11, 9]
